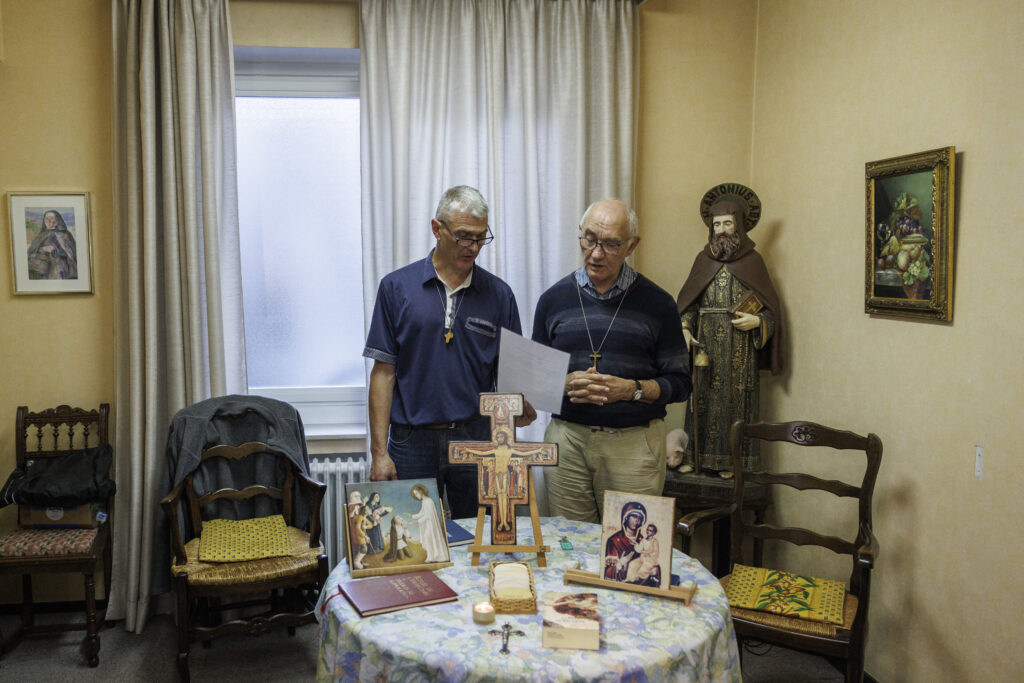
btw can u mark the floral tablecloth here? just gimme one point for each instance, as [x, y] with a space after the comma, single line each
[643, 637]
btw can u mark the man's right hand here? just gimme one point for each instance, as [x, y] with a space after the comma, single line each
[382, 468]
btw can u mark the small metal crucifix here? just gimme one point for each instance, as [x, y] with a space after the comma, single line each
[506, 632]
[503, 473]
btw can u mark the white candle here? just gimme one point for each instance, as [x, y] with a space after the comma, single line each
[483, 613]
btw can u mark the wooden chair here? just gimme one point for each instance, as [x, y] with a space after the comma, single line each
[841, 642]
[27, 551]
[292, 582]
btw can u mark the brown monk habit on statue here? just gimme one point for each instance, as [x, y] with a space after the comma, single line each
[738, 345]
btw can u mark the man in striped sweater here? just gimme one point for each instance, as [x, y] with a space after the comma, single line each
[628, 361]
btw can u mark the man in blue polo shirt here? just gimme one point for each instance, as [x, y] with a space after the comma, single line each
[434, 342]
[628, 360]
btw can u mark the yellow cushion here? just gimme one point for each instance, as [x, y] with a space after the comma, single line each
[771, 590]
[237, 540]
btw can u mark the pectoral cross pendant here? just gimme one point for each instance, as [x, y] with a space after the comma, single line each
[594, 357]
[448, 336]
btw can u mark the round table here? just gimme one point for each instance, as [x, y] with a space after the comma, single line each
[643, 637]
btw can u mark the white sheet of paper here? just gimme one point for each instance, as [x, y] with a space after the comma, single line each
[534, 370]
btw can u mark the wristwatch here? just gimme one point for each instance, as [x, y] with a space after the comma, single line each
[639, 391]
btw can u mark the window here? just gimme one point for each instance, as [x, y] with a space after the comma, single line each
[297, 116]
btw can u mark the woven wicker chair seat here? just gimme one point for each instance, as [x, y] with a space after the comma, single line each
[302, 560]
[48, 542]
[819, 628]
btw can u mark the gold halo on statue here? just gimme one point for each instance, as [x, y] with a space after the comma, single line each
[732, 192]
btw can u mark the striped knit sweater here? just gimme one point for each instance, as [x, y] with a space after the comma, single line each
[645, 341]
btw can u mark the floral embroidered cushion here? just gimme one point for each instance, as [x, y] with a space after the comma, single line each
[771, 590]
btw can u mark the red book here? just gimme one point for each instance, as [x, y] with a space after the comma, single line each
[380, 594]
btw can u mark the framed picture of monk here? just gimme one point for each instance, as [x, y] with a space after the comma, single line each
[636, 539]
[51, 242]
[393, 527]
[910, 235]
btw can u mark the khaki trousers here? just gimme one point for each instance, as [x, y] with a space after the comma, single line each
[592, 461]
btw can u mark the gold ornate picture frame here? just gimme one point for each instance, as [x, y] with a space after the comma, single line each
[51, 242]
[910, 235]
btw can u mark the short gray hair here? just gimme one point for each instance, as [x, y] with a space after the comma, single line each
[461, 199]
[633, 223]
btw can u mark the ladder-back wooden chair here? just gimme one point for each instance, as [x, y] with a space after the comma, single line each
[292, 581]
[845, 641]
[61, 432]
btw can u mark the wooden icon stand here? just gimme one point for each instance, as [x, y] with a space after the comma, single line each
[684, 593]
[504, 477]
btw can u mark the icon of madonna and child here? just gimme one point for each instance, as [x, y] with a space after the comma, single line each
[637, 539]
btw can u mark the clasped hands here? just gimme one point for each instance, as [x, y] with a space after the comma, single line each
[590, 386]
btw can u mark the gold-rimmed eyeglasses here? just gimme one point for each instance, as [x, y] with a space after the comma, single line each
[469, 241]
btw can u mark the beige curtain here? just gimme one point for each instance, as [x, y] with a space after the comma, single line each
[178, 333]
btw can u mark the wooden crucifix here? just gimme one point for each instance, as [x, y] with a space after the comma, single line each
[503, 475]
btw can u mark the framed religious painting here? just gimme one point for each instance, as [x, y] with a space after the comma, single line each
[51, 242]
[636, 539]
[393, 527]
[910, 236]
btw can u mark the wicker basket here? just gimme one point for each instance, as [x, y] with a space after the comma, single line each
[513, 605]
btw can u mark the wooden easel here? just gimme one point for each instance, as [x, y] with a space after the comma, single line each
[477, 547]
[503, 408]
[684, 593]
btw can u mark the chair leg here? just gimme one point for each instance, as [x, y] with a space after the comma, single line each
[91, 642]
[108, 568]
[181, 590]
[28, 617]
[855, 663]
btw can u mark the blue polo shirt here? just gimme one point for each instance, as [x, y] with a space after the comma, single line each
[437, 382]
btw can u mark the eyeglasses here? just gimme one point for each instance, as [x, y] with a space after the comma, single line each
[609, 246]
[469, 241]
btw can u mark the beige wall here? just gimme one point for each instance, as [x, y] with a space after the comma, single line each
[313, 23]
[837, 85]
[793, 99]
[694, 127]
[55, 135]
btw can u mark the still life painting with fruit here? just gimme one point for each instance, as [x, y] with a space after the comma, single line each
[910, 226]
[904, 257]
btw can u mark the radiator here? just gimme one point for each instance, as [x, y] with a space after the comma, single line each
[336, 472]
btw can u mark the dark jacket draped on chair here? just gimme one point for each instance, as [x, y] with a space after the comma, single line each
[231, 420]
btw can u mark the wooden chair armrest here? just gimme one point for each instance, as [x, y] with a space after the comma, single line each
[170, 505]
[317, 490]
[867, 553]
[688, 523]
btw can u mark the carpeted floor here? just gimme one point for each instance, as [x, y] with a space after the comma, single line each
[271, 657]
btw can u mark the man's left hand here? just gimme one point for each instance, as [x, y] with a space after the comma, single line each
[593, 387]
[745, 321]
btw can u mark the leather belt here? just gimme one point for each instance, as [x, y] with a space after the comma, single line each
[446, 425]
[602, 428]
[615, 430]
